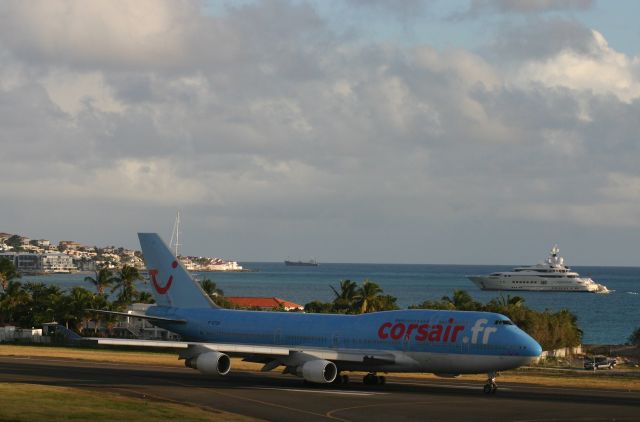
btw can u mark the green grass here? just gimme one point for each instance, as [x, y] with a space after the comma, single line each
[27, 402]
[539, 376]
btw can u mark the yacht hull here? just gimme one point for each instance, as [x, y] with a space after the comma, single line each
[534, 284]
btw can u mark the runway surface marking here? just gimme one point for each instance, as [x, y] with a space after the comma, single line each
[331, 413]
[234, 396]
[299, 390]
[462, 386]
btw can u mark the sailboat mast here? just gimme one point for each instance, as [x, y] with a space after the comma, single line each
[175, 234]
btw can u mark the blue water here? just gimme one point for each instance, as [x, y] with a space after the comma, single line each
[607, 319]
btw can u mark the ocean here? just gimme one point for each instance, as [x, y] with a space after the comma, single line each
[603, 318]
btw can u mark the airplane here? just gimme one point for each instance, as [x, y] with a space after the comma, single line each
[320, 347]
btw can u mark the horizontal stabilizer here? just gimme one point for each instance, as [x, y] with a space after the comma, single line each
[61, 331]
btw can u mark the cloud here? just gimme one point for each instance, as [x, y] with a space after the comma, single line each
[538, 39]
[404, 9]
[271, 129]
[100, 33]
[480, 7]
[599, 69]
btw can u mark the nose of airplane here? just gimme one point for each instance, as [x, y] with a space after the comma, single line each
[531, 347]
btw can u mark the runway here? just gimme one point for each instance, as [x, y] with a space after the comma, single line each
[272, 396]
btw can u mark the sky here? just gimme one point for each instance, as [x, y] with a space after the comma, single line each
[421, 131]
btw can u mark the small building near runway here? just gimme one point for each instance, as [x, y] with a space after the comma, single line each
[263, 303]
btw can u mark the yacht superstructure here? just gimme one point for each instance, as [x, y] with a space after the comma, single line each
[550, 275]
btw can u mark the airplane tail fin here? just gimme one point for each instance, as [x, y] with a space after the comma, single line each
[171, 284]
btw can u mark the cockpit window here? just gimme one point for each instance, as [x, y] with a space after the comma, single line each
[503, 322]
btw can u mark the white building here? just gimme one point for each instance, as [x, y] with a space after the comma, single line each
[130, 327]
[57, 262]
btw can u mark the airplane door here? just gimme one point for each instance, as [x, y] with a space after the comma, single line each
[406, 343]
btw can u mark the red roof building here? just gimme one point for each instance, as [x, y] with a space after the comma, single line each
[263, 303]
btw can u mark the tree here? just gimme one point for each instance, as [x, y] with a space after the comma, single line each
[146, 297]
[345, 299]
[125, 283]
[77, 302]
[368, 297]
[15, 242]
[211, 289]
[8, 272]
[551, 330]
[318, 307]
[215, 294]
[387, 303]
[634, 338]
[100, 302]
[462, 301]
[44, 304]
[13, 301]
[103, 279]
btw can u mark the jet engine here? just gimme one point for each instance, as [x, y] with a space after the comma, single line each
[319, 371]
[210, 363]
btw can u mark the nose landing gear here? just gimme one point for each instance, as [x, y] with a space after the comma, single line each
[490, 386]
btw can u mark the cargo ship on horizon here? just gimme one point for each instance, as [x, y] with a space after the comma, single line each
[309, 263]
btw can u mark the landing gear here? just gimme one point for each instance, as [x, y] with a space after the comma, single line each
[341, 380]
[490, 386]
[373, 379]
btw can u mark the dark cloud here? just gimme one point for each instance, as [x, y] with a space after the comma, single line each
[481, 7]
[542, 38]
[404, 9]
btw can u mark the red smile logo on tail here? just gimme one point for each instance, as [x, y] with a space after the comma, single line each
[162, 290]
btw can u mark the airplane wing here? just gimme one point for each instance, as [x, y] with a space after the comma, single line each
[258, 353]
[141, 316]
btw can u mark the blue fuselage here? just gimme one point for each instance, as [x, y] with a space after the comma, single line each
[429, 331]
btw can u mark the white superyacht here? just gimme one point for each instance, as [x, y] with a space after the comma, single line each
[550, 275]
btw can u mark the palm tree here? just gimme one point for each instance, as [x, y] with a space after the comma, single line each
[13, 297]
[79, 300]
[8, 272]
[368, 296]
[44, 302]
[103, 279]
[126, 284]
[345, 299]
[99, 302]
[462, 301]
[634, 338]
[146, 297]
[211, 289]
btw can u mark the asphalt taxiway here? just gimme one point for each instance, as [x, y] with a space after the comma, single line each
[273, 396]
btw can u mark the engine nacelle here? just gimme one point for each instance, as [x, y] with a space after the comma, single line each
[319, 371]
[210, 363]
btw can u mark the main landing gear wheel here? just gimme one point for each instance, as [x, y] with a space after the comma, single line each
[341, 380]
[373, 379]
[490, 387]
